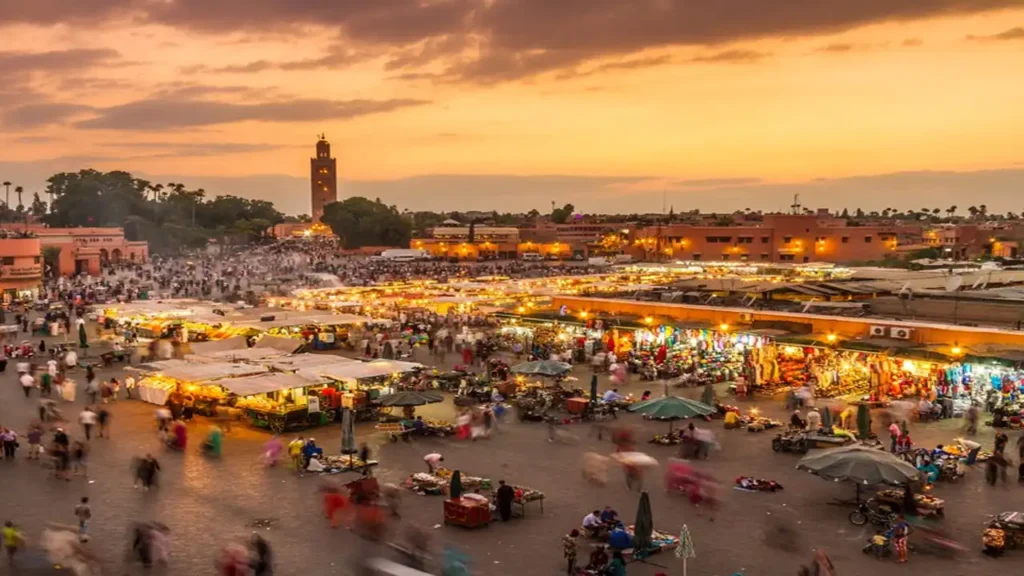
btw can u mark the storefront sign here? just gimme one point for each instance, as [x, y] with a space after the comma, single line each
[34, 271]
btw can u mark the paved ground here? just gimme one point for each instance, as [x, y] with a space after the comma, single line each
[207, 503]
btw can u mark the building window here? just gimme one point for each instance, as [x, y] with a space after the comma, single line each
[807, 259]
[846, 239]
[787, 239]
[36, 259]
[868, 239]
[765, 256]
[725, 256]
[785, 257]
[764, 239]
[744, 257]
[8, 261]
[696, 256]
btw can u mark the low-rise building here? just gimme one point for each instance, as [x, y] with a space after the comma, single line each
[795, 238]
[21, 268]
[85, 250]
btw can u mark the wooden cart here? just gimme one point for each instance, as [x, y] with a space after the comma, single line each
[467, 512]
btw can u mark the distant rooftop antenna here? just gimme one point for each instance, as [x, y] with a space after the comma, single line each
[796, 204]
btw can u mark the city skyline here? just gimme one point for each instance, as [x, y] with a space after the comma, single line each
[508, 105]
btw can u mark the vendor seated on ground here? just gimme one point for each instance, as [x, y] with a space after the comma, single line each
[795, 421]
[592, 525]
[315, 465]
[619, 539]
[645, 396]
[732, 420]
[609, 517]
[611, 396]
[928, 411]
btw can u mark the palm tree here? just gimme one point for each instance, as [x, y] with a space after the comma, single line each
[951, 211]
[973, 211]
[7, 185]
[983, 210]
[19, 190]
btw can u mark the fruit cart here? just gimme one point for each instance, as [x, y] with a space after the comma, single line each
[1004, 531]
[927, 505]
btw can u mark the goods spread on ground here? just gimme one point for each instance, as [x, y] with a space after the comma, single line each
[437, 483]
[750, 484]
[344, 463]
[660, 541]
[955, 450]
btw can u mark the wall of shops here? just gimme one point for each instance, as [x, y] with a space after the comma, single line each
[739, 318]
[21, 267]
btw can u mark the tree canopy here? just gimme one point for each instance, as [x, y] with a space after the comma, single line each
[359, 222]
[170, 217]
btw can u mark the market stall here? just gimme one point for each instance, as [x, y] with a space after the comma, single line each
[167, 376]
[279, 401]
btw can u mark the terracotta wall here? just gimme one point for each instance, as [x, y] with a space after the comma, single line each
[738, 318]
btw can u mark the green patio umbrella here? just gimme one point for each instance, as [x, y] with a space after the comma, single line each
[859, 464]
[542, 368]
[826, 418]
[671, 408]
[348, 432]
[709, 395]
[863, 421]
[455, 487]
[644, 526]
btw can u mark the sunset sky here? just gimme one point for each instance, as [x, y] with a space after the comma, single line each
[612, 105]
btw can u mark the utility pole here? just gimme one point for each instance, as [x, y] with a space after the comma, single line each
[796, 204]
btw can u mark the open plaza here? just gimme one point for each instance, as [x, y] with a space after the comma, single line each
[709, 413]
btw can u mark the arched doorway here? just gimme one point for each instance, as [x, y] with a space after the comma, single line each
[104, 256]
[115, 255]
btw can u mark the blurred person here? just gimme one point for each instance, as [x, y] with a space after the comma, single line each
[335, 503]
[13, 540]
[87, 418]
[272, 451]
[505, 496]
[83, 512]
[261, 560]
[103, 420]
[79, 458]
[9, 438]
[569, 550]
[433, 460]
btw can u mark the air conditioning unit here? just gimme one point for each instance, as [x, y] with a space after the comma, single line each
[879, 330]
[901, 333]
[746, 317]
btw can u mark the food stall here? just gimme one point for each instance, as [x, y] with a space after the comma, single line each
[164, 377]
[361, 384]
[279, 401]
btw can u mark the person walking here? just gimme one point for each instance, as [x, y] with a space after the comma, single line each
[103, 419]
[27, 383]
[569, 545]
[83, 511]
[900, 532]
[79, 457]
[92, 387]
[129, 386]
[364, 455]
[13, 541]
[87, 418]
[261, 559]
[9, 438]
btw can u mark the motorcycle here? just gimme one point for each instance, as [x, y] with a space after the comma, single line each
[882, 517]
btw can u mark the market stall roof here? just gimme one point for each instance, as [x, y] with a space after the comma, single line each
[207, 348]
[246, 354]
[294, 362]
[359, 370]
[263, 383]
[279, 343]
[306, 320]
[195, 372]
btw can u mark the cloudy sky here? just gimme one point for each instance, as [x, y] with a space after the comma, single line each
[613, 105]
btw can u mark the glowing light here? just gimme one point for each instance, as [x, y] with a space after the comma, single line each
[723, 327]
[957, 351]
[583, 314]
[521, 309]
[831, 338]
[649, 320]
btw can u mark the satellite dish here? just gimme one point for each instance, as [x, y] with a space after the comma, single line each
[954, 283]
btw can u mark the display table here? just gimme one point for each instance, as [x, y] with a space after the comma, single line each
[526, 495]
[927, 505]
[467, 512]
